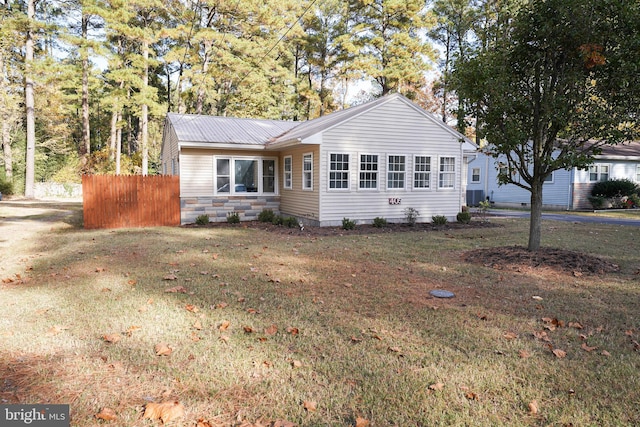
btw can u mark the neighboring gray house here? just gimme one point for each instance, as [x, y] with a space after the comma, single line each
[373, 160]
[565, 189]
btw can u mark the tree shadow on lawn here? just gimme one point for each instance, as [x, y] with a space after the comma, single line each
[363, 297]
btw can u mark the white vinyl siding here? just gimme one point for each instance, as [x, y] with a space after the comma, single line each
[338, 171]
[421, 172]
[393, 129]
[638, 173]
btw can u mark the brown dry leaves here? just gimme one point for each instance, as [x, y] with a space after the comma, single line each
[165, 411]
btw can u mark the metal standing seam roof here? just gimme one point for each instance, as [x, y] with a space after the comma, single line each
[226, 130]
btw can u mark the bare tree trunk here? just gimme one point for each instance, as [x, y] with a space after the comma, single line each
[205, 69]
[118, 142]
[113, 130]
[6, 118]
[6, 150]
[144, 114]
[535, 222]
[30, 106]
[86, 129]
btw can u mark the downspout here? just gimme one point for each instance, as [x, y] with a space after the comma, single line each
[571, 184]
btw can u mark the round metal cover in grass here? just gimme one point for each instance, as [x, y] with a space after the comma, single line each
[441, 293]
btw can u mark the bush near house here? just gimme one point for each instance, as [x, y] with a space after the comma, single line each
[616, 193]
[6, 187]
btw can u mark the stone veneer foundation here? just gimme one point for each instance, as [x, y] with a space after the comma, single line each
[248, 207]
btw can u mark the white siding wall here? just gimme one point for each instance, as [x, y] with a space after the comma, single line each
[617, 170]
[392, 129]
[196, 178]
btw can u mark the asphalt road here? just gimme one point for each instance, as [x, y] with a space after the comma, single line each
[567, 217]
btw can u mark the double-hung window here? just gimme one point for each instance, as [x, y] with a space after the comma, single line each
[307, 171]
[338, 171]
[447, 175]
[288, 173]
[598, 173]
[396, 168]
[475, 174]
[368, 177]
[421, 172]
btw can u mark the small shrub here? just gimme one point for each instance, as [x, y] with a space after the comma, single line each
[6, 187]
[202, 219]
[290, 222]
[597, 202]
[614, 188]
[463, 217]
[348, 224]
[635, 200]
[233, 218]
[379, 222]
[439, 220]
[277, 220]
[266, 215]
[411, 216]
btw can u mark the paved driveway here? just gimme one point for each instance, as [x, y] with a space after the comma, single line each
[567, 217]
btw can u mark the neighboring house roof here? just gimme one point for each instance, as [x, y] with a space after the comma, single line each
[623, 151]
[200, 129]
[226, 130]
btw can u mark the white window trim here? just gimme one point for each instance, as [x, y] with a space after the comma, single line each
[414, 171]
[551, 178]
[232, 184]
[598, 167]
[348, 171]
[637, 173]
[285, 172]
[310, 188]
[479, 180]
[377, 187]
[387, 171]
[455, 171]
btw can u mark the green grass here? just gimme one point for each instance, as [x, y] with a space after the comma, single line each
[368, 342]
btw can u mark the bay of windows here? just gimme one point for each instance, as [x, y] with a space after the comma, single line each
[234, 175]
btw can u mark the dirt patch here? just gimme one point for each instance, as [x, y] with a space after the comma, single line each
[518, 258]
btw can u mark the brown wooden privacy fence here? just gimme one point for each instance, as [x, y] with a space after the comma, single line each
[111, 201]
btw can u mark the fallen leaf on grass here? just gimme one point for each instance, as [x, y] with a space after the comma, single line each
[576, 325]
[194, 337]
[524, 354]
[163, 349]
[247, 329]
[586, 348]
[293, 331]
[197, 325]
[165, 411]
[310, 405]
[170, 277]
[56, 329]
[541, 335]
[107, 414]
[203, 423]
[176, 289]
[296, 364]
[271, 330]
[605, 353]
[361, 422]
[560, 354]
[533, 407]
[629, 332]
[282, 423]
[99, 269]
[111, 338]
[436, 386]
[192, 308]
[471, 395]
[510, 335]
[224, 326]
[221, 305]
